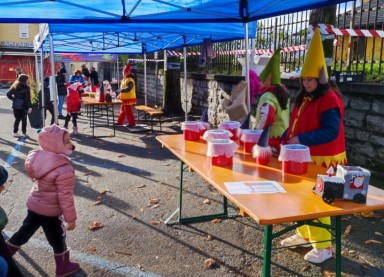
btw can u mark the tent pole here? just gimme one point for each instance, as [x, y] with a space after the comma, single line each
[185, 81]
[117, 72]
[54, 88]
[247, 67]
[42, 84]
[145, 79]
[165, 71]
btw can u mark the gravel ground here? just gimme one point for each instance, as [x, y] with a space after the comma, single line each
[123, 172]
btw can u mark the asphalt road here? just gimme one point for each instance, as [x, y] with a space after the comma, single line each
[116, 177]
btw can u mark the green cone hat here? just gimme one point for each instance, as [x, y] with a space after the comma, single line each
[272, 69]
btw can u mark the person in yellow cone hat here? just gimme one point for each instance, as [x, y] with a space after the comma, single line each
[317, 122]
[273, 106]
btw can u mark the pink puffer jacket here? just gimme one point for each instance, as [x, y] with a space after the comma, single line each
[53, 176]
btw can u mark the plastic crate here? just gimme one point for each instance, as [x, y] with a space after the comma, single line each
[347, 76]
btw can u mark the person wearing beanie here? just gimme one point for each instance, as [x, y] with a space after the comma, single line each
[317, 122]
[273, 106]
[8, 266]
[73, 107]
[20, 94]
[50, 202]
[128, 97]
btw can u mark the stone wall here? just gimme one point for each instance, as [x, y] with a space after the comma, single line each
[364, 112]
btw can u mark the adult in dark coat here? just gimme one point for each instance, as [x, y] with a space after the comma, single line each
[20, 94]
[85, 71]
[48, 103]
[61, 92]
[94, 77]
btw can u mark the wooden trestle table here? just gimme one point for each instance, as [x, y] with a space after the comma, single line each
[298, 205]
[95, 109]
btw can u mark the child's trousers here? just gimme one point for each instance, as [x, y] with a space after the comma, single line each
[315, 234]
[68, 118]
[53, 227]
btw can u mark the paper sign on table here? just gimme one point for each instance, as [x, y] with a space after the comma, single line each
[254, 187]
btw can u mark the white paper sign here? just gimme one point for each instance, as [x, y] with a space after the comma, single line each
[254, 187]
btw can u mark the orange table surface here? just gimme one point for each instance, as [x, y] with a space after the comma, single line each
[299, 203]
[88, 101]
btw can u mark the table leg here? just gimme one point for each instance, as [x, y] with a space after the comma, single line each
[113, 120]
[178, 211]
[338, 245]
[267, 250]
[93, 120]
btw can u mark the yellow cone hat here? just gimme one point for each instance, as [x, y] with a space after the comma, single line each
[314, 63]
[272, 69]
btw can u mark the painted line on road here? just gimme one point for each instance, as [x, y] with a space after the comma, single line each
[15, 152]
[101, 263]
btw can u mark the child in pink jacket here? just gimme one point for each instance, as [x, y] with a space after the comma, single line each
[51, 200]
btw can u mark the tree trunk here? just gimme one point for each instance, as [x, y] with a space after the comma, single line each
[172, 93]
[326, 16]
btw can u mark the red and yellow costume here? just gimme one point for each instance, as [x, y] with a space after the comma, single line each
[306, 118]
[128, 96]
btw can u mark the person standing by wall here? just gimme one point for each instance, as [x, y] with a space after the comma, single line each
[317, 122]
[85, 72]
[61, 91]
[20, 94]
[128, 96]
[94, 76]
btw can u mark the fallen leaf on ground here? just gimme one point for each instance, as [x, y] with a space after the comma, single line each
[372, 241]
[306, 268]
[123, 253]
[139, 266]
[368, 214]
[347, 230]
[351, 252]
[155, 222]
[141, 186]
[155, 206]
[216, 220]
[166, 164]
[154, 201]
[96, 203]
[92, 248]
[207, 201]
[95, 225]
[208, 263]
[104, 191]
[209, 237]
[378, 234]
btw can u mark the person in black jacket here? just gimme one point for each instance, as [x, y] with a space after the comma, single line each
[48, 103]
[85, 72]
[20, 94]
[94, 76]
[61, 92]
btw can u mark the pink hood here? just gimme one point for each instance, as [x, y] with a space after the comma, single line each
[51, 139]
